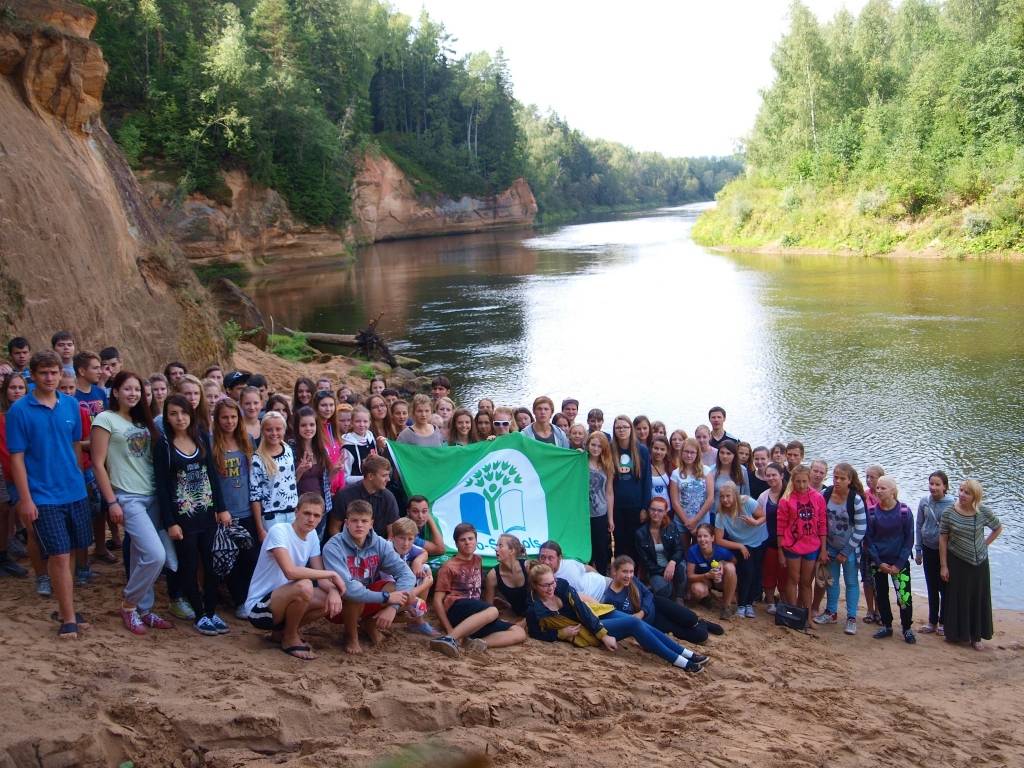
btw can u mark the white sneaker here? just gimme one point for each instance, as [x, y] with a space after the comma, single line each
[851, 625]
[750, 612]
[771, 609]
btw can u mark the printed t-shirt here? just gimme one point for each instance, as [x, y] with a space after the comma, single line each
[460, 579]
[129, 454]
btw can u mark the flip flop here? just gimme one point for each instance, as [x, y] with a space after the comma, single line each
[108, 557]
[67, 630]
[295, 650]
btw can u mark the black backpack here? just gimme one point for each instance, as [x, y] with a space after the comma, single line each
[851, 502]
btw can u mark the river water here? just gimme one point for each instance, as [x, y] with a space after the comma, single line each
[910, 363]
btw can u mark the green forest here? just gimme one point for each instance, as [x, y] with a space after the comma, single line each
[295, 91]
[899, 129]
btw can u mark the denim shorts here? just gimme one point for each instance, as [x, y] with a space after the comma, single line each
[64, 527]
[812, 556]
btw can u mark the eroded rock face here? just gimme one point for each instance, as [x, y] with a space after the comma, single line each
[79, 248]
[386, 207]
[255, 226]
[46, 47]
[234, 304]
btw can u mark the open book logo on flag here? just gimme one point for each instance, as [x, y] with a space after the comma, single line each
[501, 493]
[512, 484]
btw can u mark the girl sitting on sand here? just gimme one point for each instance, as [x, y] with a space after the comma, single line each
[509, 577]
[629, 595]
[557, 612]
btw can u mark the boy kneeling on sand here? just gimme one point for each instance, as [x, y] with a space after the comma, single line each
[464, 616]
[403, 537]
[377, 579]
[282, 597]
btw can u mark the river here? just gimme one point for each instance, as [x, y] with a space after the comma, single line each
[915, 364]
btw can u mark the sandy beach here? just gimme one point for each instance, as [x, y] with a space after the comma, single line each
[770, 697]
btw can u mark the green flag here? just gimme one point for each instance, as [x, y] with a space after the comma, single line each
[512, 484]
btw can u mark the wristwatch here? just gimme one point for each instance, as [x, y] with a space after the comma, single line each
[387, 596]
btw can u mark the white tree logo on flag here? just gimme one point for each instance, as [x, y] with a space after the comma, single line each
[500, 494]
[495, 481]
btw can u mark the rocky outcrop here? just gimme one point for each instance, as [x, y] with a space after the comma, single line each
[235, 305]
[45, 45]
[253, 226]
[386, 207]
[79, 248]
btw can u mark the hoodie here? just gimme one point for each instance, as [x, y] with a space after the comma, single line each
[361, 566]
[356, 449]
[929, 515]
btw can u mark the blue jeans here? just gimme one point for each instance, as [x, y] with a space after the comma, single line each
[622, 625]
[851, 575]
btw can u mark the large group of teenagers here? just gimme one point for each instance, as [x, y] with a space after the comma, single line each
[288, 507]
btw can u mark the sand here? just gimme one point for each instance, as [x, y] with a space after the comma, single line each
[771, 697]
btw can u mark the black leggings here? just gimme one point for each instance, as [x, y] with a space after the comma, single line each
[936, 586]
[748, 575]
[627, 521]
[901, 585]
[192, 550]
[669, 616]
[240, 576]
[600, 544]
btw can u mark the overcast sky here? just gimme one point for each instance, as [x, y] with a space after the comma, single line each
[679, 77]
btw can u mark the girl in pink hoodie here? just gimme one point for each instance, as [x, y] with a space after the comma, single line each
[803, 527]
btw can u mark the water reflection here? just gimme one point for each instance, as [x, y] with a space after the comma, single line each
[913, 364]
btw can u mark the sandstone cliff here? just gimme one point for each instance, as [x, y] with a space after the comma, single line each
[255, 226]
[386, 207]
[79, 248]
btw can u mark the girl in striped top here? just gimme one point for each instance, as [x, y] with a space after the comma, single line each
[963, 558]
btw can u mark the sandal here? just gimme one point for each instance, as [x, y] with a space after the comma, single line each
[927, 629]
[68, 631]
[295, 650]
[79, 620]
[107, 557]
[869, 618]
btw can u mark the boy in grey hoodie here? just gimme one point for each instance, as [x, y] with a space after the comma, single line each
[378, 582]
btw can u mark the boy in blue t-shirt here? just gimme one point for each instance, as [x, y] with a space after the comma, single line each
[711, 567]
[88, 391]
[403, 536]
[44, 433]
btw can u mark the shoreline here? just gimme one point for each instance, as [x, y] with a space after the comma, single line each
[905, 253]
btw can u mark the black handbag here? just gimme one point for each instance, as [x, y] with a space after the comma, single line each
[792, 616]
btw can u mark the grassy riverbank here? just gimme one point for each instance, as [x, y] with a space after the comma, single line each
[757, 214]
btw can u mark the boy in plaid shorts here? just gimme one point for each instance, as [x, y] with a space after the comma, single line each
[44, 433]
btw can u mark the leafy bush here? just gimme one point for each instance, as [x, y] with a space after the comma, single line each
[741, 209]
[129, 138]
[294, 347]
[791, 199]
[871, 202]
[789, 240]
[232, 332]
[976, 223]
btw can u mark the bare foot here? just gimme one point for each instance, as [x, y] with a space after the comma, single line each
[375, 635]
[352, 646]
